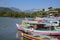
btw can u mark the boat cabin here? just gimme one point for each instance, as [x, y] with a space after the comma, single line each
[42, 24]
[42, 27]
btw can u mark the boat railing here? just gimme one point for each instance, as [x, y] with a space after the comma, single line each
[31, 37]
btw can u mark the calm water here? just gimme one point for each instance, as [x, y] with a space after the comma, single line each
[8, 28]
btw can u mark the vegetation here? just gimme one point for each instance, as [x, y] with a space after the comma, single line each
[7, 12]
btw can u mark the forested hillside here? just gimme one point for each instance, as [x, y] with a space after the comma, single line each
[8, 12]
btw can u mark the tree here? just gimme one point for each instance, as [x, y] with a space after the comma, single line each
[43, 9]
[50, 8]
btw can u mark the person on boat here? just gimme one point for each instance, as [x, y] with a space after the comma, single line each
[35, 27]
[43, 21]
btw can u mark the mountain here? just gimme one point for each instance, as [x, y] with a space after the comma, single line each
[15, 9]
[30, 11]
[4, 9]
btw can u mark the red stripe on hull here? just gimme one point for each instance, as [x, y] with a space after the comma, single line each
[48, 33]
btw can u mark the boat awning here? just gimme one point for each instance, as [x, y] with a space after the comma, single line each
[36, 23]
[48, 25]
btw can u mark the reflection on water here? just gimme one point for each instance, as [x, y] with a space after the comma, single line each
[8, 28]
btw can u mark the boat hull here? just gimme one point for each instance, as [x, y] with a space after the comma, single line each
[36, 32]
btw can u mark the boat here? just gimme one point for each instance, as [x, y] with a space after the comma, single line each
[40, 26]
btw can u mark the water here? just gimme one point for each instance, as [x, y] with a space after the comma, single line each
[8, 28]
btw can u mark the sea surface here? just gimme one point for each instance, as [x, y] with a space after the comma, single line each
[8, 28]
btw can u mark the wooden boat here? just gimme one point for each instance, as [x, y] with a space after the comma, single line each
[37, 27]
[40, 28]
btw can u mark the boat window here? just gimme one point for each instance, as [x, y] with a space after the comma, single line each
[55, 22]
[42, 27]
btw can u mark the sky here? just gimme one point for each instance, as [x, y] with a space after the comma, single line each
[30, 4]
